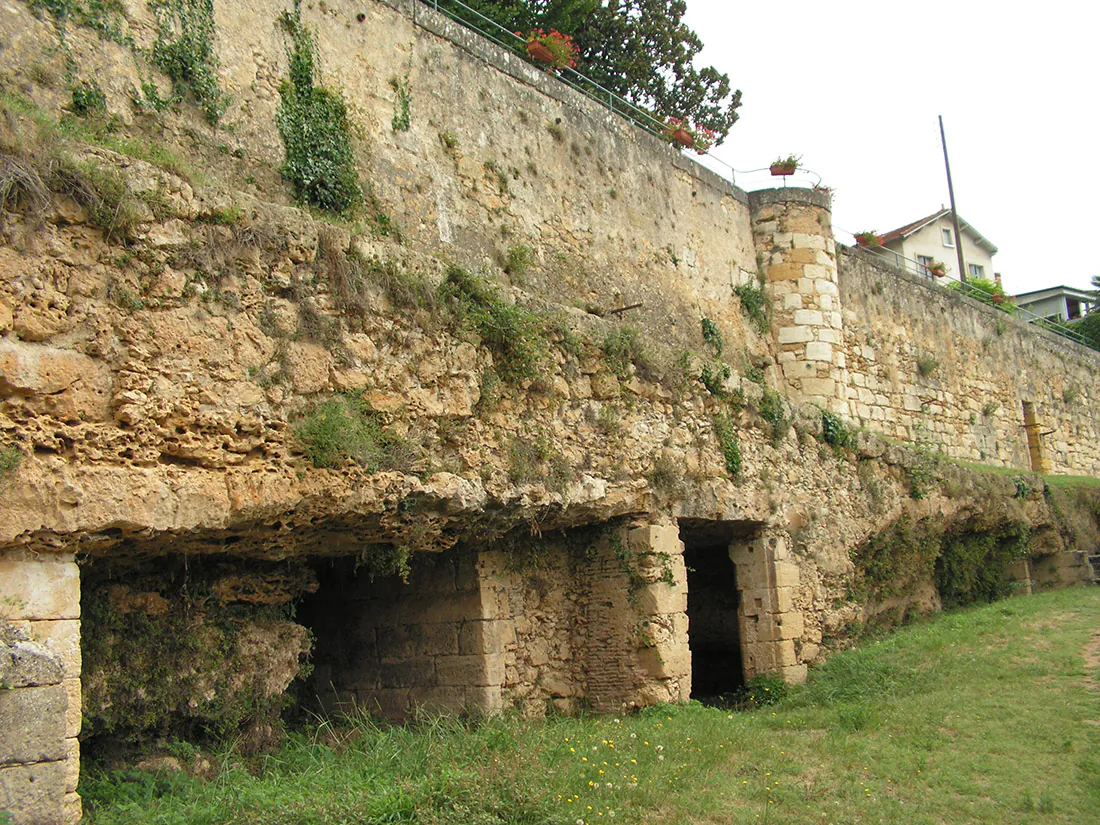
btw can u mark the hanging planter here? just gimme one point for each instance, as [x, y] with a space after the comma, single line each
[683, 137]
[539, 51]
[937, 269]
[681, 133]
[868, 240]
[553, 48]
[785, 166]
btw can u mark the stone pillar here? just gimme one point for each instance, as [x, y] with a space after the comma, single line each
[664, 657]
[792, 232]
[770, 624]
[40, 711]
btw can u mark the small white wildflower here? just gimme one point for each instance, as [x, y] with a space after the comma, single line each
[610, 785]
[660, 747]
[661, 758]
[633, 736]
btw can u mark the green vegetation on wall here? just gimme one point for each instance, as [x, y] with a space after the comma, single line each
[345, 428]
[516, 336]
[967, 562]
[178, 670]
[726, 431]
[754, 305]
[316, 130]
[184, 51]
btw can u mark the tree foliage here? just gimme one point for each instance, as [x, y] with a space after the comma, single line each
[1089, 328]
[639, 49]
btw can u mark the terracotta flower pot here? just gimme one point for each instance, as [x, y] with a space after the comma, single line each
[539, 51]
[683, 137]
[998, 299]
[778, 169]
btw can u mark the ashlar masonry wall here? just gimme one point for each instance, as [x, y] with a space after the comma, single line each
[929, 365]
[595, 618]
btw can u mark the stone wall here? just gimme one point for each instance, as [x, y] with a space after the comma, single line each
[155, 390]
[40, 711]
[928, 365]
[793, 233]
[389, 647]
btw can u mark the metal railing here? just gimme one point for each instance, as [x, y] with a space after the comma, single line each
[493, 31]
[899, 261]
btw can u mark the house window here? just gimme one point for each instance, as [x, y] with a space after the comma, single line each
[947, 238]
[925, 261]
[976, 270]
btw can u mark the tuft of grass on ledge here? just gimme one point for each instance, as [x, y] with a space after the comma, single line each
[976, 716]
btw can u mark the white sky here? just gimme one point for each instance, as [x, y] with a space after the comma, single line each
[855, 87]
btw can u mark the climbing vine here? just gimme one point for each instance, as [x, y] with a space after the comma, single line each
[184, 51]
[316, 130]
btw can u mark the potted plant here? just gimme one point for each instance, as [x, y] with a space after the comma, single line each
[937, 269]
[680, 132]
[552, 48]
[785, 166]
[868, 240]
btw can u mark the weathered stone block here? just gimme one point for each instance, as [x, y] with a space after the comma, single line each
[785, 272]
[443, 699]
[792, 300]
[794, 674]
[35, 794]
[470, 670]
[62, 638]
[484, 698]
[790, 625]
[809, 243]
[662, 598]
[72, 764]
[823, 387]
[28, 664]
[656, 538]
[74, 716]
[416, 610]
[47, 588]
[795, 335]
[439, 639]
[819, 351]
[786, 574]
[810, 317]
[32, 724]
[667, 662]
[480, 637]
[391, 704]
[406, 673]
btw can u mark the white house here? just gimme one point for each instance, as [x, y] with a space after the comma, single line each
[1058, 303]
[932, 240]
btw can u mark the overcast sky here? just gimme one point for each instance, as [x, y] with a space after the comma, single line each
[855, 87]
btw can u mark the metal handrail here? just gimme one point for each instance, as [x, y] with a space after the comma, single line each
[570, 77]
[917, 268]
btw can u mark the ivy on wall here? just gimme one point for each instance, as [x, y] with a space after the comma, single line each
[316, 130]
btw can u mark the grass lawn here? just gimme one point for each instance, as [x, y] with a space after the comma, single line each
[982, 715]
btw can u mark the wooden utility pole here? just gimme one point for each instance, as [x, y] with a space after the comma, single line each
[954, 211]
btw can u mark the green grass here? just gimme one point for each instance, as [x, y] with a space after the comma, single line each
[977, 717]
